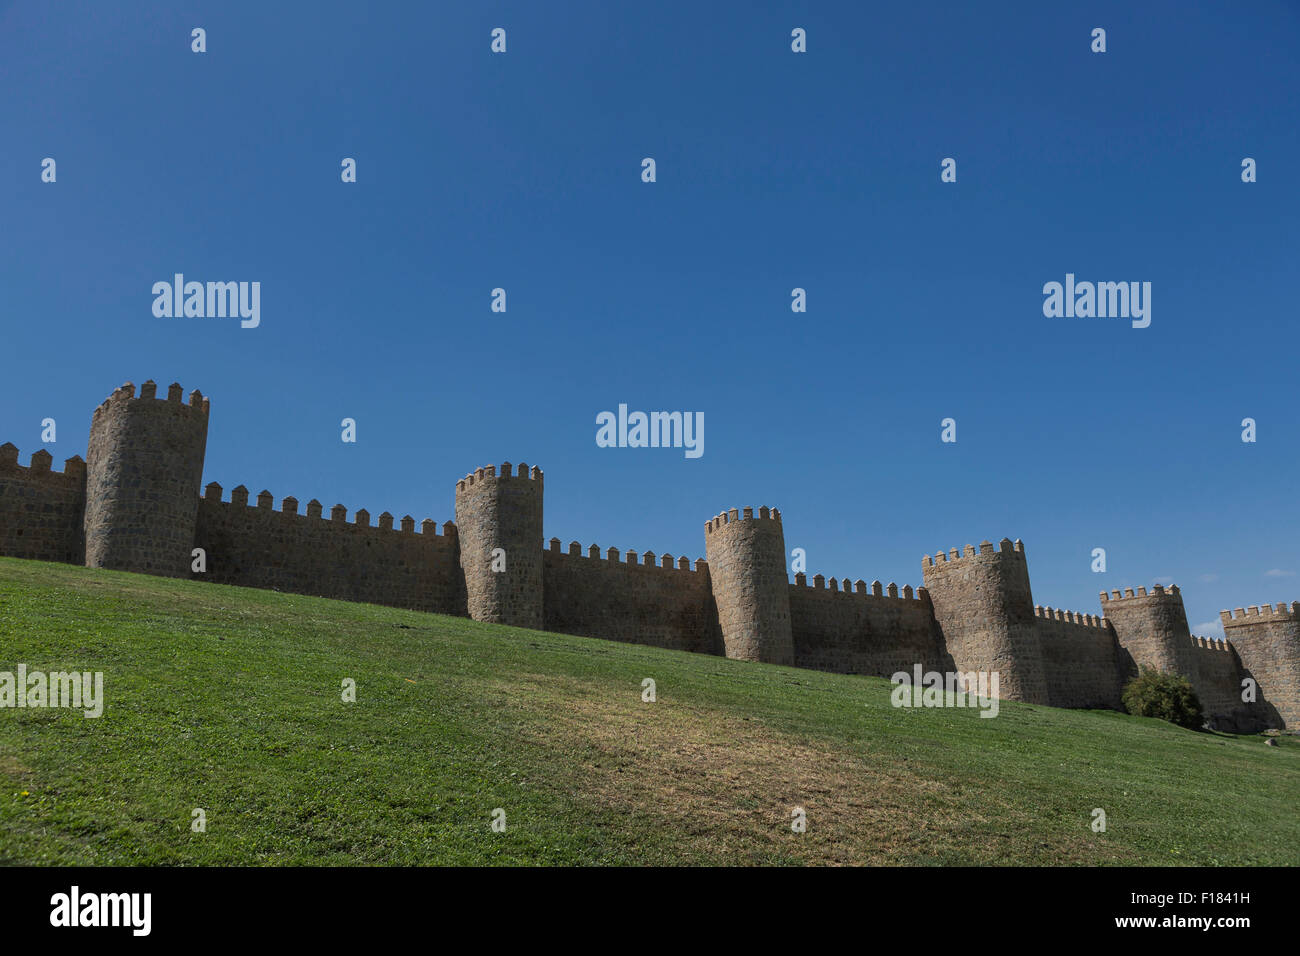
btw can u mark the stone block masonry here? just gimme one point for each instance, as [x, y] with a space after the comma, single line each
[1267, 640]
[41, 511]
[143, 468]
[639, 599]
[135, 505]
[500, 522]
[983, 604]
[747, 564]
[310, 553]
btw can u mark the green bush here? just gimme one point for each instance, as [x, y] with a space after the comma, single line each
[1170, 697]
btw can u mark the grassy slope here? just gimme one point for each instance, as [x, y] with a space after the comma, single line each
[228, 699]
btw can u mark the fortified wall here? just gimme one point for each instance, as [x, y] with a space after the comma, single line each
[135, 505]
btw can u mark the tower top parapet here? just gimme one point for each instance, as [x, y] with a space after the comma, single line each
[125, 393]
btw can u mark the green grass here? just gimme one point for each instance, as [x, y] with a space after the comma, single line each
[229, 700]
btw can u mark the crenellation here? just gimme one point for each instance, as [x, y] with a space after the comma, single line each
[630, 559]
[41, 510]
[1076, 618]
[40, 467]
[289, 507]
[844, 587]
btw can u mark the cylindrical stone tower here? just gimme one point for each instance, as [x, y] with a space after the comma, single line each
[984, 606]
[499, 520]
[746, 557]
[1267, 640]
[143, 469]
[1152, 628]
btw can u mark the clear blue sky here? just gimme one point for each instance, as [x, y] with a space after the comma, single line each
[775, 170]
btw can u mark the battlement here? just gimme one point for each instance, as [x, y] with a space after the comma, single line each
[74, 469]
[212, 493]
[489, 472]
[734, 515]
[1210, 643]
[1157, 590]
[859, 588]
[1069, 617]
[954, 556]
[646, 560]
[1260, 614]
[125, 393]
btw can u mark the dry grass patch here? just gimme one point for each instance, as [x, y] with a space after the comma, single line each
[728, 784]
[10, 767]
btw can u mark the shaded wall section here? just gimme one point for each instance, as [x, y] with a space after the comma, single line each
[1217, 679]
